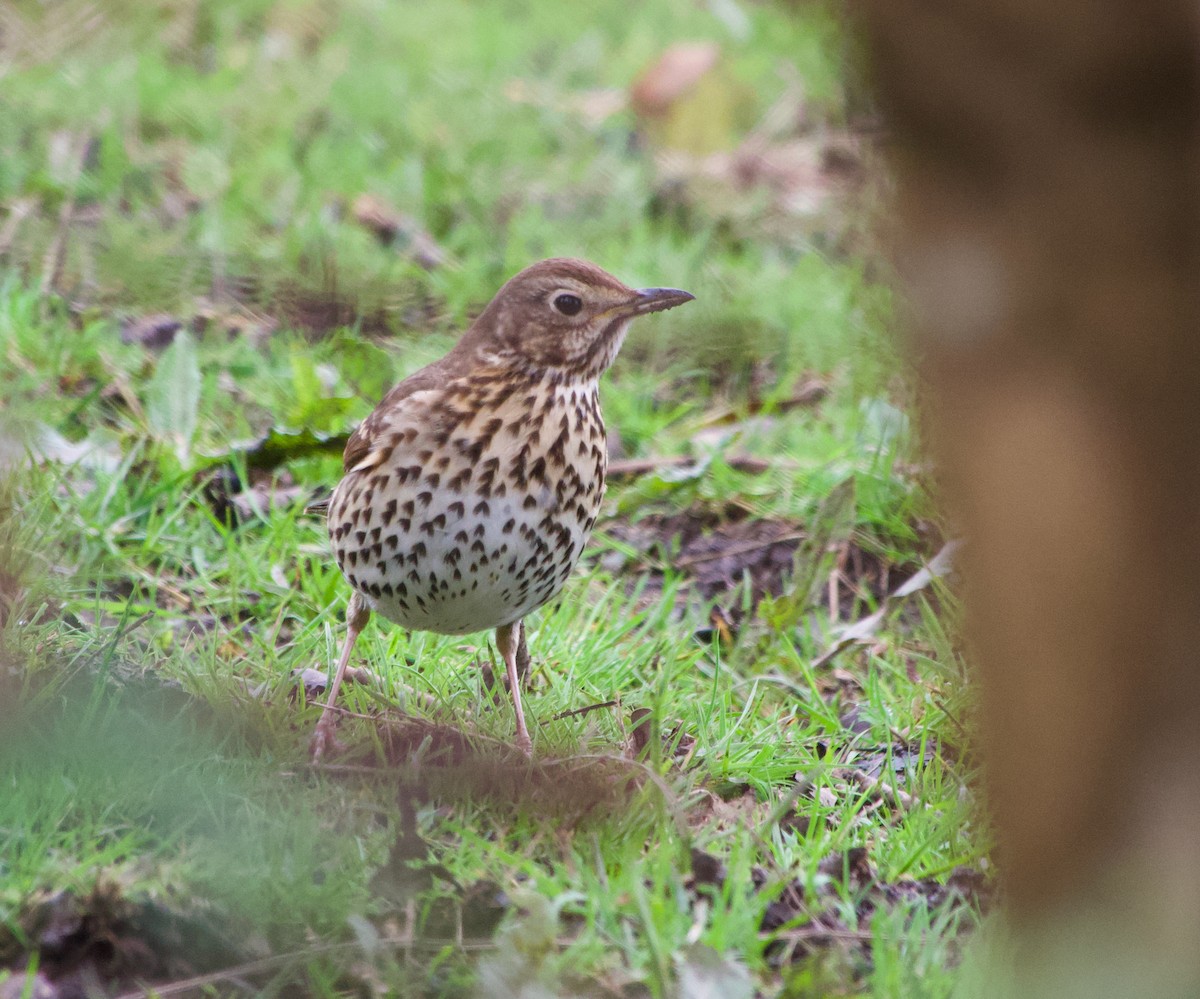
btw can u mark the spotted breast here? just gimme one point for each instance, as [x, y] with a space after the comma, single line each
[476, 502]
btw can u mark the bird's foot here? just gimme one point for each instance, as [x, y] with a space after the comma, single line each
[323, 739]
[525, 744]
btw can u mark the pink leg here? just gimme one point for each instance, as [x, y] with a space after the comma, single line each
[357, 615]
[507, 640]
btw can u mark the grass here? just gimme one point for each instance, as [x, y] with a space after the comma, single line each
[153, 756]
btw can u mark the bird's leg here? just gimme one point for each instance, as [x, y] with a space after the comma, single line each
[509, 641]
[523, 657]
[357, 615]
[523, 661]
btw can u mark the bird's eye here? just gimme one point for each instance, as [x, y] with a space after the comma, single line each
[568, 305]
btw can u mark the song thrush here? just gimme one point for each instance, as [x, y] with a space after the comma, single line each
[470, 491]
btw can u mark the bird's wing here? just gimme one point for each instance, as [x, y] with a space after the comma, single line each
[375, 439]
[405, 399]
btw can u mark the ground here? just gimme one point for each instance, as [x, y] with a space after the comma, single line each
[227, 230]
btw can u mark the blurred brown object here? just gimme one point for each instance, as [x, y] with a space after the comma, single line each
[394, 228]
[1047, 230]
[677, 72]
[688, 101]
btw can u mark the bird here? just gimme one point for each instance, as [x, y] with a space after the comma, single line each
[469, 492]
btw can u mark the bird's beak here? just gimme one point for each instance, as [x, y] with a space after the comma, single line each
[657, 300]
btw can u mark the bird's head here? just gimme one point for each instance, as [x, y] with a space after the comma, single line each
[564, 317]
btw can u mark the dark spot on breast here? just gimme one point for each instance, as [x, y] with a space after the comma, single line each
[470, 448]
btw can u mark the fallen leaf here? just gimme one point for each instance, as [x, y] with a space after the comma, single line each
[705, 974]
[20, 442]
[677, 71]
[154, 331]
[398, 230]
[687, 101]
[865, 628]
[173, 396]
[279, 445]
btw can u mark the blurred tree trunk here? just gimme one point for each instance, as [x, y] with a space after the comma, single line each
[1048, 232]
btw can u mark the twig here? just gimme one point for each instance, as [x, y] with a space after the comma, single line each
[866, 627]
[583, 711]
[264, 964]
[633, 467]
[56, 253]
[742, 549]
[819, 932]
[882, 788]
[18, 212]
[809, 393]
